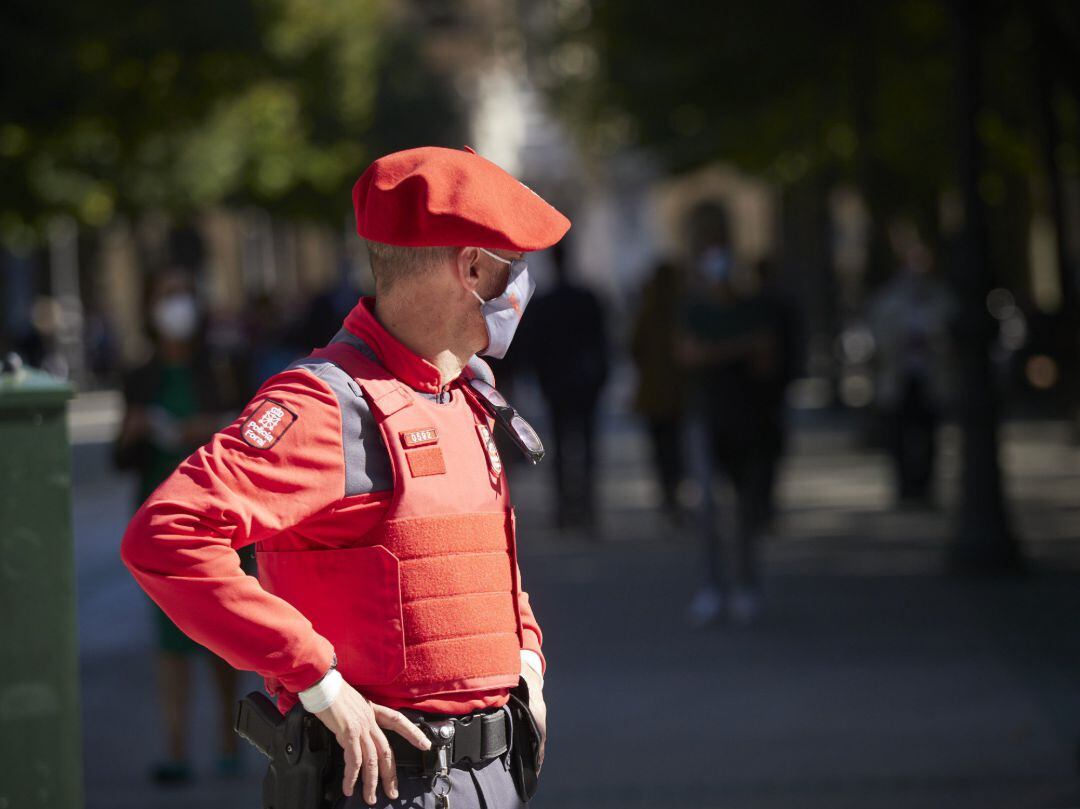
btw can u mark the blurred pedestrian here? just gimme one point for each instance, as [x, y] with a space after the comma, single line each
[783, 315]
[328, 309]
[269, 348]
[39, 345]
[660, 395]
[173, 404]
[728, 343]
[102, 350]
[911, 318]
[568, 347]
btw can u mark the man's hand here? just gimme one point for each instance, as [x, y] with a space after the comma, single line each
[357, 724]
[537, 707]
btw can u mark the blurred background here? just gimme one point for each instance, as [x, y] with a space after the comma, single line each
[807, 363]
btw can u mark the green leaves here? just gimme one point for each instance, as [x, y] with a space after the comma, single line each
[790, 89]
[125, 106]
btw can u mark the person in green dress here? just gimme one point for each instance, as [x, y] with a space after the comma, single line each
[174, 403]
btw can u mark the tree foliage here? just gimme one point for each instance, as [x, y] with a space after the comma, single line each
[121, 106]
[787, 89]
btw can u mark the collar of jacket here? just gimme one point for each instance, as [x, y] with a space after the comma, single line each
[410, 368]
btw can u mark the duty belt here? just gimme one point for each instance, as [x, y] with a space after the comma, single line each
[307, 764]
[470, 739]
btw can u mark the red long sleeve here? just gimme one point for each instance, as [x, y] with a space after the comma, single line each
[181, 544]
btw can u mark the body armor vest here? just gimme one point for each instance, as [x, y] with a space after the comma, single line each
[426, 603]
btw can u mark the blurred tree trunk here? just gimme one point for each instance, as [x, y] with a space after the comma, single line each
[1054, 60]
[984, 541]
[873, 181]
[807, 259]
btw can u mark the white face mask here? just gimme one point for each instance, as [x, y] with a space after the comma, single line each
[502, 315]
[176, 316]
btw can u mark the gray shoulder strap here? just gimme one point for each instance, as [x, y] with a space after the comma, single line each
[367, 462]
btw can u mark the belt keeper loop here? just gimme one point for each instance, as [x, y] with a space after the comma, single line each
[509, 728]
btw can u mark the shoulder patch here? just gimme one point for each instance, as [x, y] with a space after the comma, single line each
[267, 424]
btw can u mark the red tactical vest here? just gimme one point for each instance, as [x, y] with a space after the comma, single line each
[427, 603]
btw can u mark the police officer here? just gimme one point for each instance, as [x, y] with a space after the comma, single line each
[367, 477]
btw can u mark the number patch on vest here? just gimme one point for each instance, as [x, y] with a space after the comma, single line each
[419, 438]
[267, 424]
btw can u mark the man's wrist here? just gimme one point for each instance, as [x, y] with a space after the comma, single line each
[322, 695]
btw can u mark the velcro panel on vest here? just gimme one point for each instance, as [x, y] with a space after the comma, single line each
[415, 537]
[425, 461]
[432, 577]
[459, 610]
[462, 660]
[450, 616]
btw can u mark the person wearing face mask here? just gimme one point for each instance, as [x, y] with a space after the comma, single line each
[173, 403]
[728, 346]
[389, 603]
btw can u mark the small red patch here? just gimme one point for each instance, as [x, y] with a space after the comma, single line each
[267, 424]
[426, 461]
[420, 437]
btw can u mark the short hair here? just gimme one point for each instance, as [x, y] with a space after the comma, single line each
[390, 263]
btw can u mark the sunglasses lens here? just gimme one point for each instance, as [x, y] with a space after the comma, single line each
[527, 434]
[502, 411]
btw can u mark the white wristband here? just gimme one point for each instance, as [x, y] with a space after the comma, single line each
[532, 660]
[322, 695]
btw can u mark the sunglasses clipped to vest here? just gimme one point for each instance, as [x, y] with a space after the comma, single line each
[507, 418]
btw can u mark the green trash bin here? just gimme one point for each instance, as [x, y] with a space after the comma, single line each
[40, 727]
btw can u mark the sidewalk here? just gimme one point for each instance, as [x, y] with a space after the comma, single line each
[872, 680]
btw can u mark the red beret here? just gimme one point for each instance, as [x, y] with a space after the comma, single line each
[435, 197]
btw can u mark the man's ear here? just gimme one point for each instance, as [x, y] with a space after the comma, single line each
[467, 267]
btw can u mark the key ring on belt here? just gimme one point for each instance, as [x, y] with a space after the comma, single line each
[442, 739]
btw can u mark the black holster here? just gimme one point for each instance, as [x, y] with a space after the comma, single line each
[306, 766]
[525, 751]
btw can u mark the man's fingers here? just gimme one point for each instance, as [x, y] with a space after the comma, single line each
[353, 759]
[387, 765]
[370, 769]
[399, 723]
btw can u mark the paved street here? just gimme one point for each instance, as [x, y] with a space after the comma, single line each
[871, 681]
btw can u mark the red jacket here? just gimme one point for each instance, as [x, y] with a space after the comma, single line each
[305, 467]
